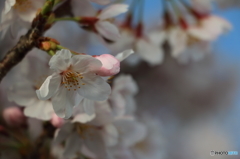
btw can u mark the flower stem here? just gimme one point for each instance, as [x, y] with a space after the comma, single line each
[76, 19]
[51, 52]
[59, 47]
[47, 8]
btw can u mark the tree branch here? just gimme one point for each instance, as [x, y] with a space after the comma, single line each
[26, 42]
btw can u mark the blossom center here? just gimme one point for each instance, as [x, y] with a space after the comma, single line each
[82, 129]
[72, 79]
[23, 5]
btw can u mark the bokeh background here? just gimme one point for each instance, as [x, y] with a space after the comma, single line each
[198, 103]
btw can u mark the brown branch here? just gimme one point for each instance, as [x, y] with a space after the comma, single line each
[26, 42]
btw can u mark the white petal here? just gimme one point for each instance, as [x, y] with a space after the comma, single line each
[126, 84]
[83, 118]
[123, 55]
[94, 142]
[40, 109]
[49, 87]
[110, 135]
[8, 6]
[85, 63]
[63, 133]
[108, 30]
[102, 2]
[61, 60]
[88, 106]
[149, 52]
[177, 39]
[131, 131]
[103, 113]
[73, 145]
[118, 104]
[63, 102]
[201, 33]
[113, 10]
[157, 37]
[22, 93]
[28, 15]
[95, 88]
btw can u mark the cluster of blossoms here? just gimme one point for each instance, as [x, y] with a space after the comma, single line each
[90, 116]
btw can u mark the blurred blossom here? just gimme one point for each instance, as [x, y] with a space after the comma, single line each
[22, 12]
[14, 116]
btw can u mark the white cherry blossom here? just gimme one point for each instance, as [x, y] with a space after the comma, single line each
[210, 28]
[122, 97]
[19, 11]
[74, 78]
[104, 27]
[101, 23]
[90, 138]
[124, 42]
[22, 92]
[149, 51]
[150, 145]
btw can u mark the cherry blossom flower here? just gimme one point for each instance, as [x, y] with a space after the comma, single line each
[122, 97]
[124, 42]
[150, 145]
[148, 51]
[95, 136]
[19, 11]
[22, 92]
[74, 78]
[194, 53]
[101, 23]
[210, 28]
[177, 39]
[104, 27]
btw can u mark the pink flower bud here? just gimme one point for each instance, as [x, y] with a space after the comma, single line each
[56, 121]
[110, 65]
[14, 116]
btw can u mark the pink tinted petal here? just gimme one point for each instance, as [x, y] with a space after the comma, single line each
[56, 121]
[113, 11]
[110, 65]
[107, 30]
